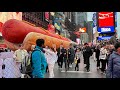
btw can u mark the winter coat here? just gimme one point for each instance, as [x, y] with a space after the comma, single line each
[113, 70]
[60, 54]
[72, 55]
[103, 54]
[97, 51]
[51, 56]
[78, 55]
[87, 52]
[39, 63]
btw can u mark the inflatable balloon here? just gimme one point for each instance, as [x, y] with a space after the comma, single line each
[31, 38]
[12, 46]
[16, 32]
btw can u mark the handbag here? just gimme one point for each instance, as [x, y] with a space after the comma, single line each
[75, 61]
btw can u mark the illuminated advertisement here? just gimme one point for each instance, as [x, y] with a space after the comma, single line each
[94, 20]
[105, 22]
[78, 41]
[104, 38]
[47, 16]
[106, 29]
[115, 19]
[83, 30]
[51, 28]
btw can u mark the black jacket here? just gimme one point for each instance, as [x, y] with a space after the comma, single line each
[87, 51]
[66, 53]
[62, 52]
[97, 52]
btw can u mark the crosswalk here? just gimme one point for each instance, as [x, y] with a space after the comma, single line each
[76, 72]
[71, 73]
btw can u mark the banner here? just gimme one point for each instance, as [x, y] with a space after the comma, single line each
[106, 29]
[51, 28]
[105, 19]
[104, 38]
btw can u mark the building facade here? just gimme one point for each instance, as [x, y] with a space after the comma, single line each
[36, 18]
[90, 31]
[80, 18]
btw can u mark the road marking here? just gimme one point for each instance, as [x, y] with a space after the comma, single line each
[76, 71]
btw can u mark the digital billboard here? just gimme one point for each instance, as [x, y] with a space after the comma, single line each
[83, 30]
[106, 22]
[47, 16]
[106, 29]
[103, 38]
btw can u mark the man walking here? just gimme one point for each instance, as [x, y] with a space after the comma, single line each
[88, 53]
[71, 55]
[60, 56]
[39, 63]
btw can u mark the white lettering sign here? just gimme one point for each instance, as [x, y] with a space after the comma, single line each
[104, 16]
[105, 29]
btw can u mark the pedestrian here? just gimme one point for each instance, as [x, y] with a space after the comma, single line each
[103, 57]
[87, 54]
[47, 47]
[20, 56]
[97, 54]
[60, 56]
[38, 60]
[110, 51]
[51, 56]
[66, 58]
[113, 70]
[77, 57]
[71, 55]
[83, 52]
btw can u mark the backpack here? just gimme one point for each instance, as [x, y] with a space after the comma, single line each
[29, 66]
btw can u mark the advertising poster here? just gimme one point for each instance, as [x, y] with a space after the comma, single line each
[106, 22]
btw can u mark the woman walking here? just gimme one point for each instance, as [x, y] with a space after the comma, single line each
[77, 57]
[51, 56]
[103, 56]
[97, 51]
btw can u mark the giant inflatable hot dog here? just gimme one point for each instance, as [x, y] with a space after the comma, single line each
[17, 32]
[49, 41]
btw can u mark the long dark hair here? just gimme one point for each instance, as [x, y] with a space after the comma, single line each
[53, 49]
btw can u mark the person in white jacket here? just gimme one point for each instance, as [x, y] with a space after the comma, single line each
[103, 56]
[51, 56]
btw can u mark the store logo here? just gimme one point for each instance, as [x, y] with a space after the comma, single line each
[105, 29]
[104, 16]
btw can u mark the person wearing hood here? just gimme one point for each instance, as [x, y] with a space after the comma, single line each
[113, 70]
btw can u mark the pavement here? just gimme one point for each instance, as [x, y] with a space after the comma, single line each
[94, 73]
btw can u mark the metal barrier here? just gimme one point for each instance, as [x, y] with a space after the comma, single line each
[9, 68]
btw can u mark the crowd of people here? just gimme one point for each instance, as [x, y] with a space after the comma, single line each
[41, 60]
